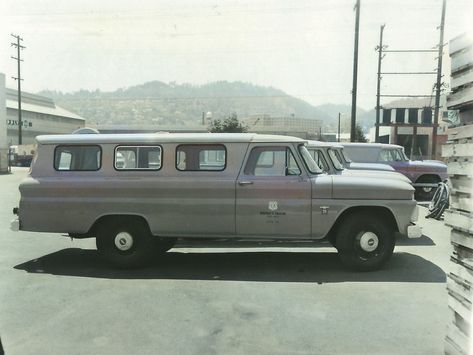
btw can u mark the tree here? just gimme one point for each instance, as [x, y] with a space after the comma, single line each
[228, 125]
[359, 135]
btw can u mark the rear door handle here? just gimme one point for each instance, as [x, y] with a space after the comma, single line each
[243, 183]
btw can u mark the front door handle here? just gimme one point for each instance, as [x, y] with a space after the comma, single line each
[243, 183]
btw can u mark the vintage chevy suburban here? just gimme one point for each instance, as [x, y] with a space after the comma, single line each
[137, 193]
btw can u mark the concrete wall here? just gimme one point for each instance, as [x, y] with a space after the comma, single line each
[3, 127]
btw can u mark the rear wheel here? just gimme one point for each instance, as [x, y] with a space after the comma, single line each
[364, 241]
[124, 243]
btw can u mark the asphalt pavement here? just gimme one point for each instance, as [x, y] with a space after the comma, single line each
[58, 297]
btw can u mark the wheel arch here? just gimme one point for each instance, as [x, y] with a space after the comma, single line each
[428, 178]
[108, 217]
[380, 211]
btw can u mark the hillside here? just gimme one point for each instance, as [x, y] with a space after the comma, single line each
[181, 104]
[330, 111]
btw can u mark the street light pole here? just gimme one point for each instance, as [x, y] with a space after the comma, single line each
[338, 136]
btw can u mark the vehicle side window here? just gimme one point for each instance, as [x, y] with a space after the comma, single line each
[385, 155]
[77, 158]
[193, 157]
[318, 157]
[138, 158]
[271, 161]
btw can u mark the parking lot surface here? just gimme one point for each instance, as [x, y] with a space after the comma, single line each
[58, 297]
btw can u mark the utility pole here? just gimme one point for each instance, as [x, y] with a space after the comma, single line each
[378, 90]
[338, 137]
[355, 73]
[438, 84]
[18, 47]
[382, 48]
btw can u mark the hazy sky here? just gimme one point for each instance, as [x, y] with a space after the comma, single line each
[302, 47]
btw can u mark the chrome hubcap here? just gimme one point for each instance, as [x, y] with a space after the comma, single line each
[124, 241]
[369, 241]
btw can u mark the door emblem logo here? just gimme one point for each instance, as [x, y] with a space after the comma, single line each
[273, 205]
[324, 209]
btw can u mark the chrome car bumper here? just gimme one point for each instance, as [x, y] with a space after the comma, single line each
[414, 231]
[15, 225]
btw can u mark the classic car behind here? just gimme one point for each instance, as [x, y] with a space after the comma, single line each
[425, 174]
[331, 159]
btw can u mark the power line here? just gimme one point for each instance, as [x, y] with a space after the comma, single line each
[411, 50]
[407, 95]
[410, 73]
[18, 78]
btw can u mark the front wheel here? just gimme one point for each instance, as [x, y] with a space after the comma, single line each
[365, 242]
[426, 193]
[124, 243]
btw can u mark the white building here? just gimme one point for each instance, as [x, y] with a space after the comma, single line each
[3, 127]
[289, 125]
[40, 115]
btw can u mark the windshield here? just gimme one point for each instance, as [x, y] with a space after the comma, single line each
[398, 155]
[309, 161]
[336, 160]
[344, 156]
[403, 154]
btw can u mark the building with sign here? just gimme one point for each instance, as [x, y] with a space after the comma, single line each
[40, 115]
[410, 123]
[306, 128]
[3, 128]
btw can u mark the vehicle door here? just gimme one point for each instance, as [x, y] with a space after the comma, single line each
[273, 193]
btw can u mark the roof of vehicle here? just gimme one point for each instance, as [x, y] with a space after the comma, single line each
[164, 137]
[324, 144]
[371, 145]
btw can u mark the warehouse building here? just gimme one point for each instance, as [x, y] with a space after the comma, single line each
[306, 128]
[40, 115]
[3, 128]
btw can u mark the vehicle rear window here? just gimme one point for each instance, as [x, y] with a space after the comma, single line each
[77, 158]
[138, 158]
[362, 154]
[194, 157]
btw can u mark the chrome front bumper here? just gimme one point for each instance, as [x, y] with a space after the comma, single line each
[15, 225]
[414, 231]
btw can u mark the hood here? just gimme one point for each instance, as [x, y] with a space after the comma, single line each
[393, 175]
[434, 164]
[370, 166]
[367, 188]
